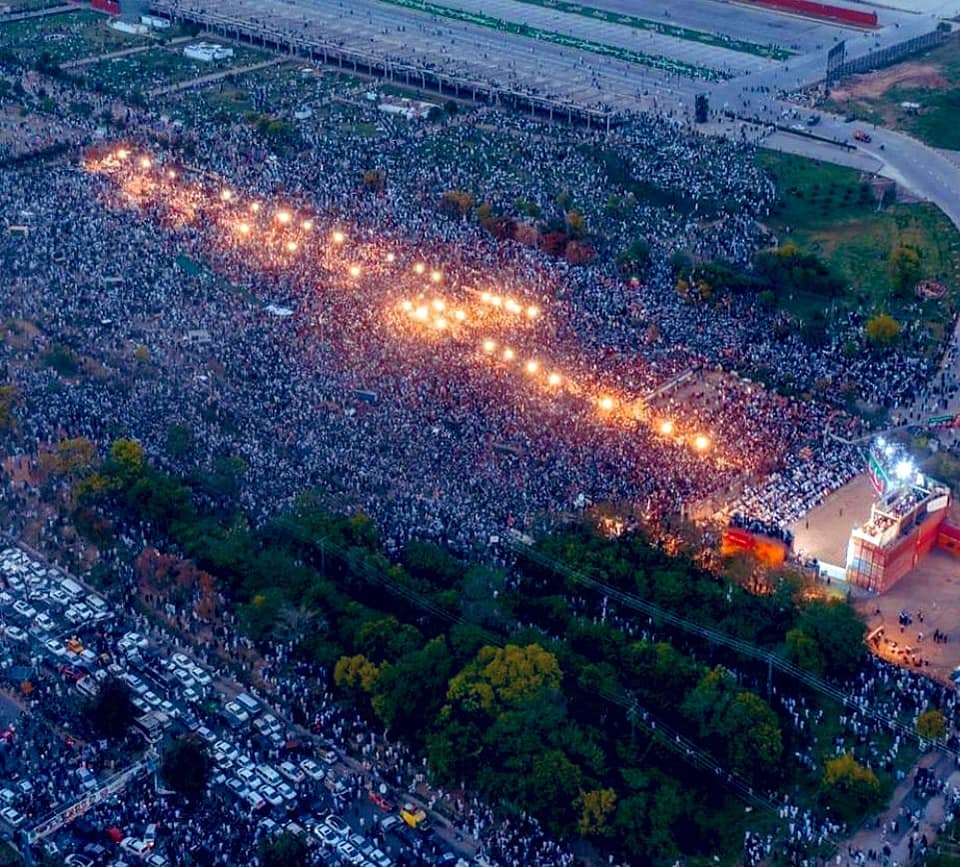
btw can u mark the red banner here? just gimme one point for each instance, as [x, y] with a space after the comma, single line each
[111, 7]
[812, 9]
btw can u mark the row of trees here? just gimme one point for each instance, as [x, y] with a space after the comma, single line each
[520, 719]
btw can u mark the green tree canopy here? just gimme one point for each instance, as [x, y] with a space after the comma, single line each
[186, 766]
[284, 850]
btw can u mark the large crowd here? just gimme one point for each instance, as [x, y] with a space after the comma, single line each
[442, 442]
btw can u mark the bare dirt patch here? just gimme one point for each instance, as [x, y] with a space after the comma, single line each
[875, 84]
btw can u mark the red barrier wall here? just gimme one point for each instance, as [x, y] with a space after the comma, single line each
[812, 9]
[111, 7]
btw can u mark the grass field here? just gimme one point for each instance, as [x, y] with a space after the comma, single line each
[827, 210]
[59, 38]
[158, 68]
[930, 79]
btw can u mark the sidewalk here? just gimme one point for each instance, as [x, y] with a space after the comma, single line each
[876, 834]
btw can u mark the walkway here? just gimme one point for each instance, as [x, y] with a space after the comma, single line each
[123, 52]
[215, 76]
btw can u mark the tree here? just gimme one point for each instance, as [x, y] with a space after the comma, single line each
[456, 203]
[905, 270]
[554, 786]
[71, 458]
[931, 725]
[297, 623]
[355, 673]
[386, 639]
[882, 330]
[576, 223]
[838, 632]
[126, 459]
[374, 180]
[802, 650]
[10, 399]
[111, 710]
[635, 258]
[186, 766]
[850, 788]
[62, 359]
[179, 440]
[505, 677]
[596, 807]
[284, 850]
[412, 690]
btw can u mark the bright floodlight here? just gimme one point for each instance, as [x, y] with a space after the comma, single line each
[439, 304]
[508, 355]
[244, 228]
[422, 312]
[485, 297]
[226, 195]
[307, 225]
[881, 442]
[441, 324]
[354, 270]
[283, 217]
[489, 345]
[532, 366]
[459, 315]
[408, 306]
[554, 379]
[436, 276]
[419, 268]
[606, 403]
[171, 174]
[255, 207]
[666, 427]
[533, 311]
[903, 470]
[888, 451]
[391, 257]
[512, 306]
[122, 154]
[291, 246]
[145, 163]
[701, 443]
[496, 300]
[338, 237]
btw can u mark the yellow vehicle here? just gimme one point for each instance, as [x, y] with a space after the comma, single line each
[75, 645]
[414, 817]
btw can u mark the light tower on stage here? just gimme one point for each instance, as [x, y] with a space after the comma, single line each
[904, 523]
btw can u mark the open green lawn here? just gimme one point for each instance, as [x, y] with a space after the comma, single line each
[158, 68]
[68, 36]
[936, 121]
[825, 210]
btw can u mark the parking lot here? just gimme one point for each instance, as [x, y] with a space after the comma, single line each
[88, 801]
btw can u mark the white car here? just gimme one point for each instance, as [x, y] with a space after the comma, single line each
[15, 633]
[12, 817]
[59, 597]
[326, 835]
[294, 774]
[286, 791]
[254, 799]
[271, 796]
[57, 648]
[25, 609]
[312, 770]
[201, 676]
[181, 660]
[44, 623]
[135, 845]
[349, 853]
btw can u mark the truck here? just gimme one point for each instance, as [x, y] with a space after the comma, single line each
[861, 135]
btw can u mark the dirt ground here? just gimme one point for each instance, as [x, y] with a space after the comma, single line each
[876, 84]
[824, 531]
[933, 591]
